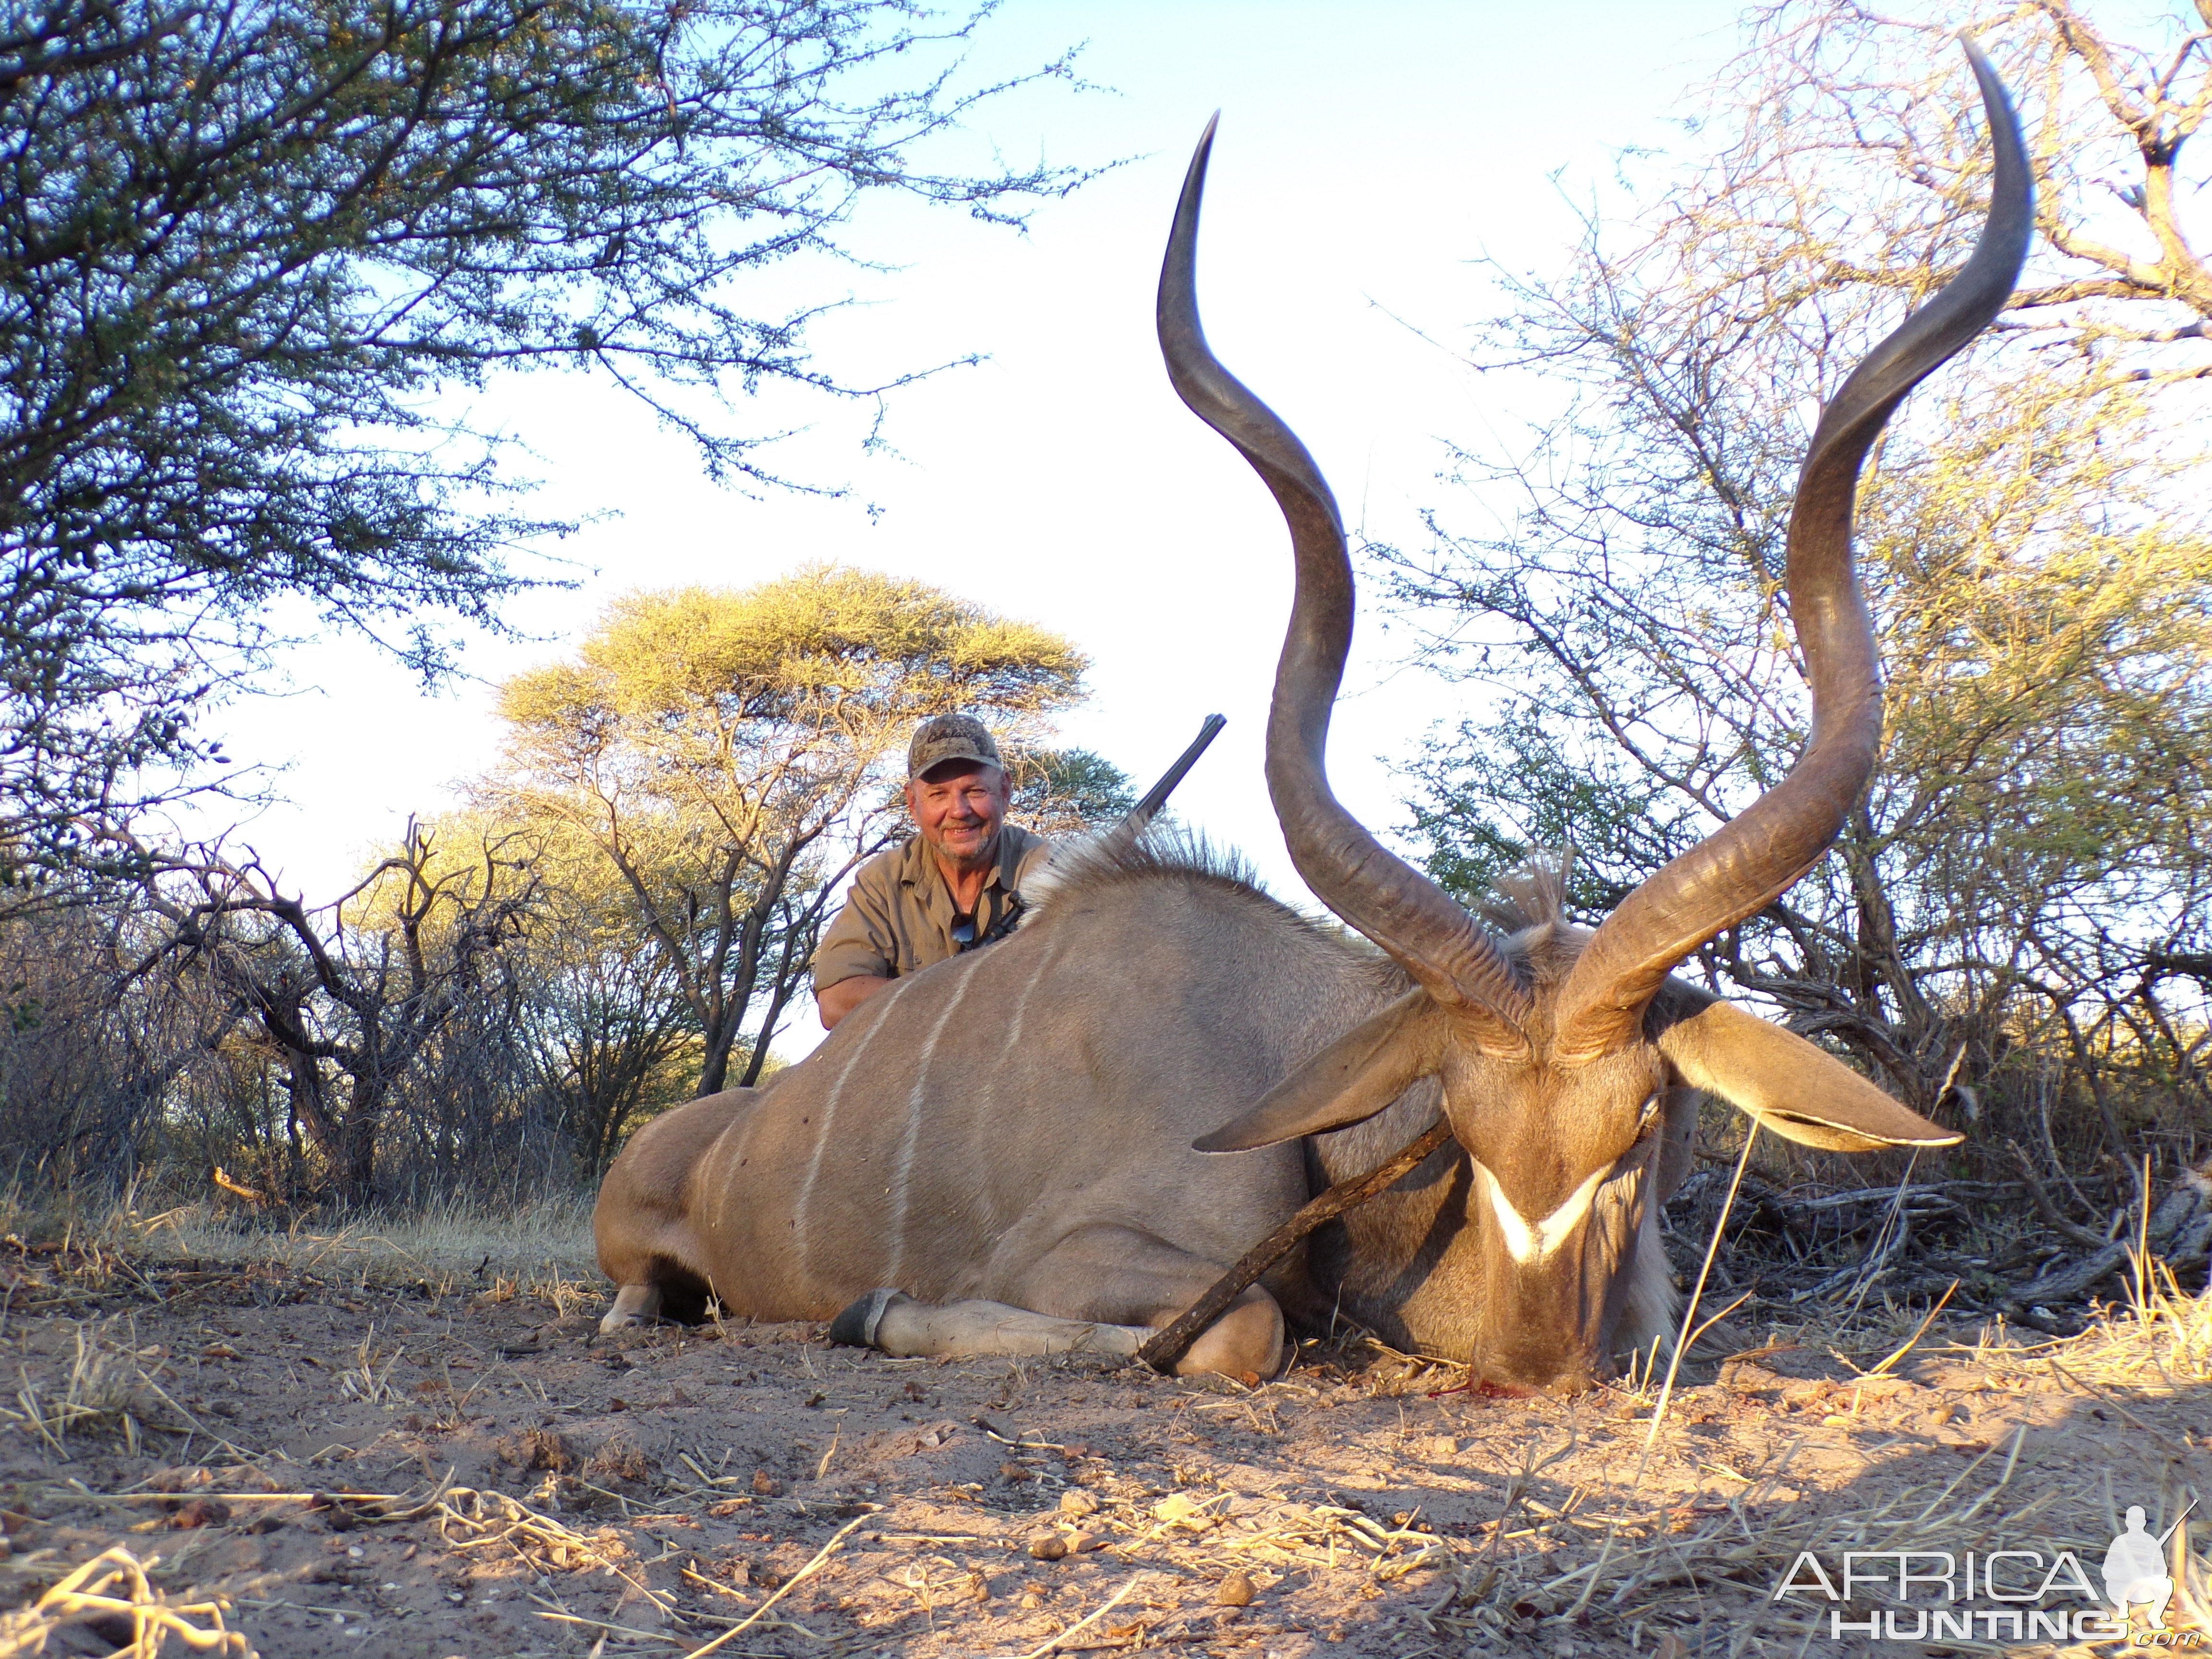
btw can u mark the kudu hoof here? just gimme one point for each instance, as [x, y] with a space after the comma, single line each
[857, 1326]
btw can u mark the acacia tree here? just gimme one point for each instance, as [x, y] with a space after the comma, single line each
[242, 243]
[349, 999]
[2035, 538]
[730, 753]
[611, 1037]
[92, 1055]
[1063, 792]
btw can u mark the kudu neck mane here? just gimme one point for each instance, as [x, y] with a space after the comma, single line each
[1171, 858]
[1525, 906]
[1088, 865]
[1528, 906]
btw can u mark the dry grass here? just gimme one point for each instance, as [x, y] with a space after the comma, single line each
[543, 1243]
[111, 1593]
[2158, 1340]
[543, 1248]
[108, 1388]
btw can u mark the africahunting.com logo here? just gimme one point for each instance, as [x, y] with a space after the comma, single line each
[1938, 1594]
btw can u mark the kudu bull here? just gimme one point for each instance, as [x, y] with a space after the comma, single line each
[1029, 1141]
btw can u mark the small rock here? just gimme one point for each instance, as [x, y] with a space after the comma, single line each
[1083, 1542]
[1049, 1547]
[1234, 1591]
[200, 1512]
[1077, 1503]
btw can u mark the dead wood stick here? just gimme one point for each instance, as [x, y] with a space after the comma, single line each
[2072, 1231]
[1162, 1352]
[240, 1189]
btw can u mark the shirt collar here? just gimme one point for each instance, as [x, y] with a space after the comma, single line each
[919, 867]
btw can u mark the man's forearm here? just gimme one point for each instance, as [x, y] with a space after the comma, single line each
[847, 995]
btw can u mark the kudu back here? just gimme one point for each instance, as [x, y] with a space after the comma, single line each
[1060, 1142]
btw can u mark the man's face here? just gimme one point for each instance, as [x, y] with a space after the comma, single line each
[958, 806]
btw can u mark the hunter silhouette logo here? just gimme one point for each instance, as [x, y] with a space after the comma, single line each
[2023, 1595]
[2135, 1570]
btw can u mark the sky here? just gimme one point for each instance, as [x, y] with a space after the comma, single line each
[1371, 156]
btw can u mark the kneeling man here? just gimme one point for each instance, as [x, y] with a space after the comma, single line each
[956, 885]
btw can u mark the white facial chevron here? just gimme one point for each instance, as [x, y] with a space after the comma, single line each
[1526, 1244]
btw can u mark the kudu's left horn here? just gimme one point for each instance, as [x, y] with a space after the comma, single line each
[1388, 901]
[1748, 861]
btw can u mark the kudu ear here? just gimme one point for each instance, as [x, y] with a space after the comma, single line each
[1346, 1083]
[1784, 1083]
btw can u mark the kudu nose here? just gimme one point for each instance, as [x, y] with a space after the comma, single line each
[1524, 1382]
[1534, 1368]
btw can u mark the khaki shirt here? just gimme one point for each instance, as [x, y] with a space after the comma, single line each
[898, 917]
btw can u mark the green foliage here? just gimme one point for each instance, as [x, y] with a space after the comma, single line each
[241, 248]
[827, 647]
[1061, 791]
[2035, 538]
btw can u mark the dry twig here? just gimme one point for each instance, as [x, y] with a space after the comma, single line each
[113, 1585]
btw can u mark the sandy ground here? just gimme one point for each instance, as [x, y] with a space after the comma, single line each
[547, 1491]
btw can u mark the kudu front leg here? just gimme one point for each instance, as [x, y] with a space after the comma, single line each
[1101, 1290]
[898, 1325]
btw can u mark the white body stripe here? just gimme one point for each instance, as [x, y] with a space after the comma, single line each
[1029, 982]
[1527, 1243]
[913, 1099]
[829, 1113]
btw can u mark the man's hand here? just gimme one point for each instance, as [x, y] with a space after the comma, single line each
[847, 995]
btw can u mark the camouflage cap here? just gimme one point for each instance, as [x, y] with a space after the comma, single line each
[949, 736]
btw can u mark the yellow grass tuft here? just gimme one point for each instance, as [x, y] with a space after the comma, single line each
[108, 1388]
[112, 1587]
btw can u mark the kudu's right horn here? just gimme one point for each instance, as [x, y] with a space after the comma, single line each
[1742, 867]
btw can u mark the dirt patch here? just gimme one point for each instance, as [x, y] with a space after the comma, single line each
[427, 1470]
